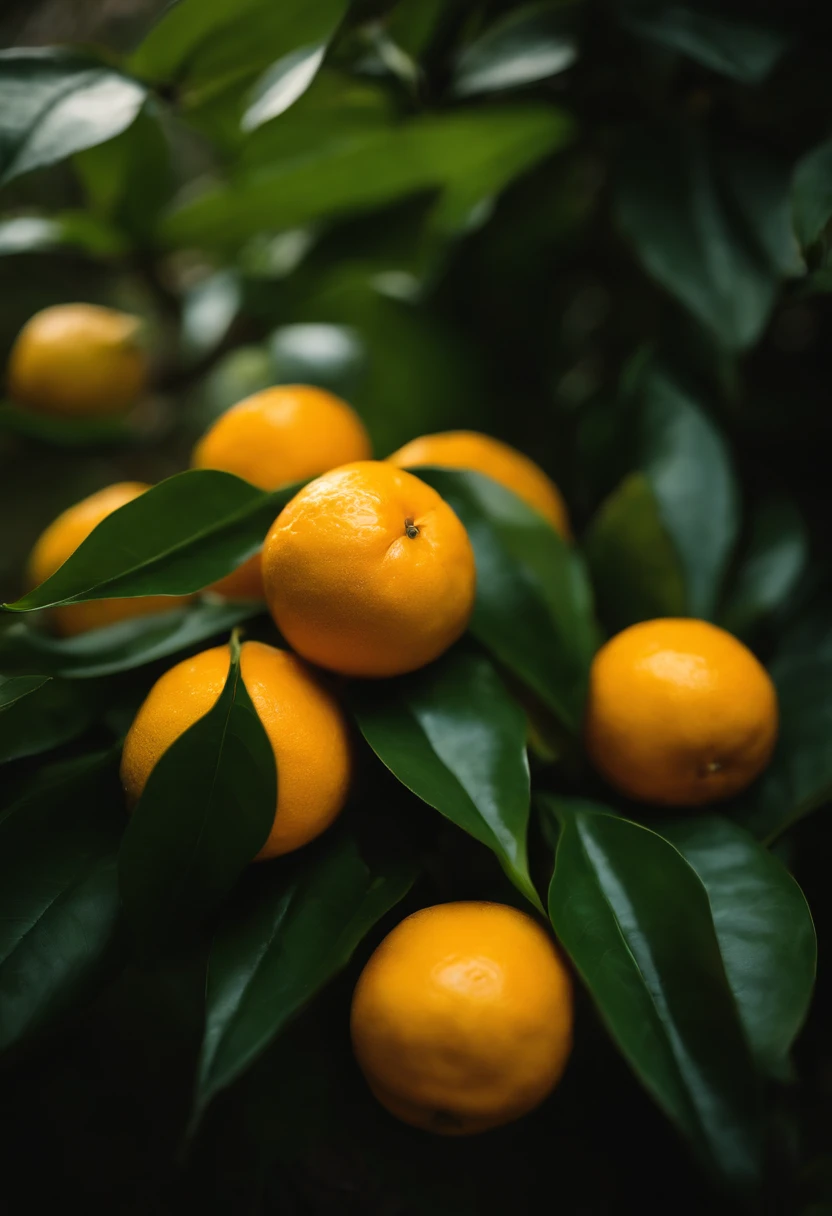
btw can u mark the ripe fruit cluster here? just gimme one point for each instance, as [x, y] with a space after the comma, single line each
[462, 1018]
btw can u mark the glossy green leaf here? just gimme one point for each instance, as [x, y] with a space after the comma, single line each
[29, 233]
[207, 809]
[812, 193]
[764, 928]
[454, 736]
[711, 224]
[527, 45]
[776, 557]
[13, 688]
[58, 891]
[635, 569]
[292, 928]
[47, 716]
[744, 51]
[636, 921]
[534, 605]
[466, 156]
[54, 103]
[120, 647]
[687, 464]
[129, 179]
[176, 538]
[282, 84]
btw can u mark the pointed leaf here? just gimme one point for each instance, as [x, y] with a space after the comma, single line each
[12, 688]
[736, 48]
[812, 193]
[454, 736]
[207, 809]
[50, 714]
[527, 45]
[776, 557]
[283, 83]
[636, 922]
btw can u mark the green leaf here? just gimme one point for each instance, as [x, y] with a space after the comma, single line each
[455, 737]
[27, 233]
[533, 609]
[772, 565]
[282, 84]
[466, 155]
[63, 432]
[291, 929]
[712, 224]
[527, 45]
[207, 809]
[129, 179]
[686, 462]
[176, 538]
[47, 716]
[54, 103]
[120, 647]
[764, 928]
[636, 921]
[812, 193]
[744, 51]
[58, 891]
[635, 569]
[13, 688]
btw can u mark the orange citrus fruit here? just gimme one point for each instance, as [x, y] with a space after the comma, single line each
[279, 435]
[369, 572]
[462, 1018]
[304, 723]
[679, 713]
[79, 361]
[62, 538]
[497, 460]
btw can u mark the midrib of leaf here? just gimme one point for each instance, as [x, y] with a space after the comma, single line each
[47, 109]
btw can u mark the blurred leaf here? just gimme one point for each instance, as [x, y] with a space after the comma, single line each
[763, 926]
[776, 557]
[635, 569]
[712, 224]
[209, 309]
[524, 46]
[455, 737]
[207, 809]
[177, 537]
[413, 23]
[744, 51]
[13, 688]
[812, 193]
[62, 432]
[468, 155]
[292, 928]
[687, 464]
[58, 891]
[330, 356]
[26, 233]
[636, 922]
[54, 102]
[534, 604]
[46, 717]
[283, 83]
[120, 647]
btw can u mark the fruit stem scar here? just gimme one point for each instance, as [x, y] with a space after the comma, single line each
[410, 529]
[713, 766]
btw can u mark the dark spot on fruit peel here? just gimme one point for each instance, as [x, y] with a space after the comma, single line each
[710, 767]
[410, 529]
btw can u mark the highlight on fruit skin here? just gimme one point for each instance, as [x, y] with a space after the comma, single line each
[462, 1018]
[679, 713]
[78, 361]
[286, 433]
[495, 459]
[60, 540]
[302, 719]
[368, 571]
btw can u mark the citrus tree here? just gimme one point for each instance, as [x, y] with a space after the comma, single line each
[416, 584]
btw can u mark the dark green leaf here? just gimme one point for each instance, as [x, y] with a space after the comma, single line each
[776, 557]
[48, 716]
[534, 604]
[724, 43]
[207, 809]
[763, 926]
[283, 83]
[812, 193]
[635, 570]
[176, 538]
[12, 688]
[63, 432]
[636, 922]
[454, 736]
[711, 224]
[331, 356]
[467, 156]
[287, 934]
[58, 891]
[54, 103]
[128, 180]
[526, 45]
[686, 462]
[119, 647]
